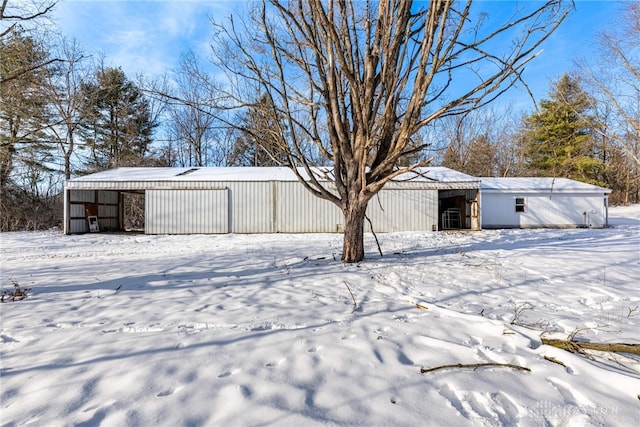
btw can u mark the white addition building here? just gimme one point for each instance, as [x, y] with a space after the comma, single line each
[262, 200]
[542, 202]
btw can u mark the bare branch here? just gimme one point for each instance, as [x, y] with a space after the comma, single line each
[41, 11]
[475, 366]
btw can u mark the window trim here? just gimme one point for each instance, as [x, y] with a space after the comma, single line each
[521, 204]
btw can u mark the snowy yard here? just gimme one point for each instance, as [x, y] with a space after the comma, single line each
[256, 330]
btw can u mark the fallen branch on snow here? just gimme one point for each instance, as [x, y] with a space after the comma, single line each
[554, 360]
[355, 304]
[475, 366]
[579, 346]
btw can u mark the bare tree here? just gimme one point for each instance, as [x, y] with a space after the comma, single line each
[22, 11]
[472, 142]
[360, 79]
[613, 78]
[64, 91]
[510, 155]
[192, 118]
[616, 78]
[256, 144]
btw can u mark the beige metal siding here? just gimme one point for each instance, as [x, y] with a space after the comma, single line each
[82, 196]
[403, 210]
[251, 207]
[184, 206]
[186, 211]
[77, 215]
[107, 211]
[109, 197]
[77, 210]
[141, 185]
[78, 226]
[299, 211]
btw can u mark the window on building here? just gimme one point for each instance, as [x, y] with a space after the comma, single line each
[520, 204]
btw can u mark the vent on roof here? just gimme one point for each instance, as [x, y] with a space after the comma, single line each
[187, 172]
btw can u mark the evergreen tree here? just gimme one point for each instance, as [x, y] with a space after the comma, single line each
[28, 182]
[23, 108]
[559, 139]
[118, 125]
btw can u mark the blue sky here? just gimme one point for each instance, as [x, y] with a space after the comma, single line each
[148, 37]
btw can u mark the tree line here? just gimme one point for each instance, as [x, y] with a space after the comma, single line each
[66, 113]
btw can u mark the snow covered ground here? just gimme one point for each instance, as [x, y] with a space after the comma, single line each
[256, 330]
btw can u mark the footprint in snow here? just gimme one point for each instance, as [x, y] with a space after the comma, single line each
[452, 395]
[473, 340]
[245, 391]
[167, 392]
[275, 363]
[7, 338]
[486, 353]
[568, 393]
[497, 408]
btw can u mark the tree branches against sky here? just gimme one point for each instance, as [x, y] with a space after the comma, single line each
[148, 36]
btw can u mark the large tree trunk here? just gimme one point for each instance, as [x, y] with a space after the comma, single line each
[353, 244]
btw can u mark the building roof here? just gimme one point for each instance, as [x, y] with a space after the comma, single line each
[440, 174]
[144, 175]
[148, 174]
[538, 185]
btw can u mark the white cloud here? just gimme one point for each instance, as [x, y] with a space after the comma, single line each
[140, 36]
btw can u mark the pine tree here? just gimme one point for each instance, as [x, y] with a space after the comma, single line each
[23, 108]
[27, 180]
[559, 139]
[118, 123]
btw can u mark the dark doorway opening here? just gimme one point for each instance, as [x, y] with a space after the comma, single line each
[458, 210]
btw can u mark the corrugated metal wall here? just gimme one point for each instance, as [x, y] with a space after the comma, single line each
[109, 210]
[77, 220]
[83, 196]
[403, 210]
[299, 211]
[186, 211]
[279, 207]
[251, 206]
